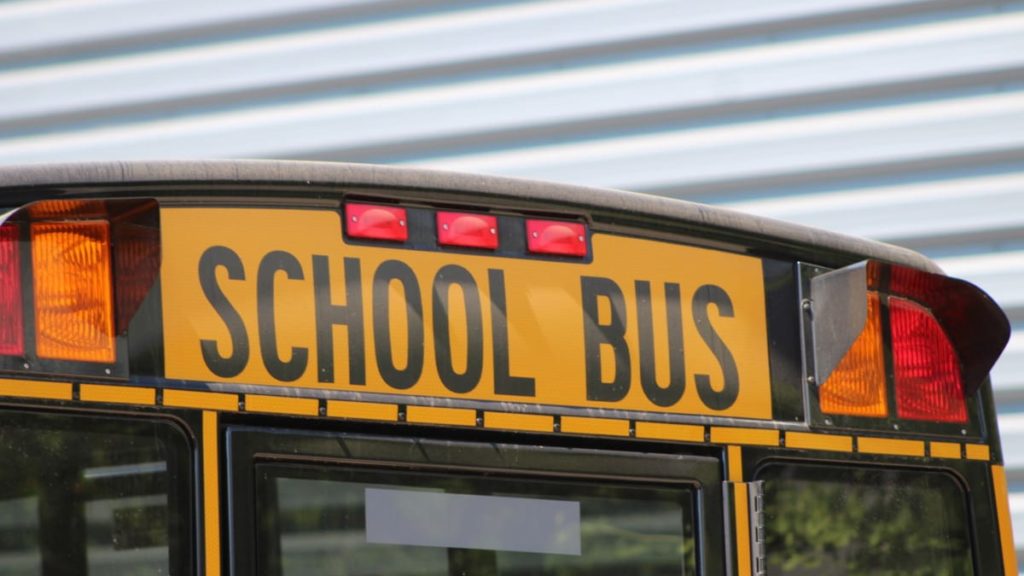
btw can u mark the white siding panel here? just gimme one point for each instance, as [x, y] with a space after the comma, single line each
[1008, 375]
[849, 140]
[35, 24]
[907, 54]
[41, 24]
[906, 212]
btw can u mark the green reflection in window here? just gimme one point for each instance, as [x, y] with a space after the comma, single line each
[831, 520]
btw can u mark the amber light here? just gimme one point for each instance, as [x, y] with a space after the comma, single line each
[857, 386]
[11, 340]
[73, 291]
[926, 368]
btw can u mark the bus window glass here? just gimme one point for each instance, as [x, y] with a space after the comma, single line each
[364, 521]
[864, 521]
[91, 495]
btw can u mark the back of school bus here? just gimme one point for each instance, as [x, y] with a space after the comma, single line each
[296, 368]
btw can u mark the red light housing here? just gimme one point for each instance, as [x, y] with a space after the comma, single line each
[467, 230]
[12, 327]
[925, 366]
[556, 237]
[376, 222]
[136, 245]
[945, 335]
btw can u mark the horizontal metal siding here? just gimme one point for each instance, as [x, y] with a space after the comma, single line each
[897, 120]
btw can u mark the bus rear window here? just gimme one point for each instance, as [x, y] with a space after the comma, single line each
[847, 521]
[362, 521]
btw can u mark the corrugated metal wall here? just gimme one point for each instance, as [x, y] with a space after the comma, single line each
[901, 120]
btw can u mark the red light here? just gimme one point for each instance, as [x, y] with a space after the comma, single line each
[375, 222]
[136, 267]
[927, 371]
[11, 339]
[467, 230]
[556, 237]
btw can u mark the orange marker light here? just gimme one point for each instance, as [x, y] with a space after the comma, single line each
[73, 292]
[857, 386]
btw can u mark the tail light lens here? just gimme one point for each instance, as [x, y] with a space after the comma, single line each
[945, 335]
[12, 327]
[375, 222]
[467, 230]
[925, 367]
[73, 290]
[857, 386]
[556, 237]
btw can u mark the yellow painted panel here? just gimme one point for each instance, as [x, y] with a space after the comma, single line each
[362, 410]
[978, 452]
[667, 431]
[890, 447]
[742, 509]
[200, 400]
[1005, 526]
[747, 436]
[949, 450]
[211, 494]
[519, 421]
[826, 442]
[117, 394]
[600, 426]
[555, 343]
[440, 415]
[281, 405]
[734, 454]
[36, 389]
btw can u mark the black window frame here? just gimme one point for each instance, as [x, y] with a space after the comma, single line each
[245, 446]
[181, 494]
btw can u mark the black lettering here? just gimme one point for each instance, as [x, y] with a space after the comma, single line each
[349, 315]
[445, 278]
[285, 371]
[388, 271]
[223, 366]
[715, 399]
[611, 334]
[670, 394]
[504, 382]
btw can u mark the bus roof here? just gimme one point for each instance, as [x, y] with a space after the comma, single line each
[22, 184]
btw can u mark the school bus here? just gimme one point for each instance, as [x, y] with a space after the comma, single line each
[302, 368]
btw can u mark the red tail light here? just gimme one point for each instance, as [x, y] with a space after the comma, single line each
[11, 327]
[467, 230]
[375, 222]
[926, 369]
[556, 237]
[945, 335]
